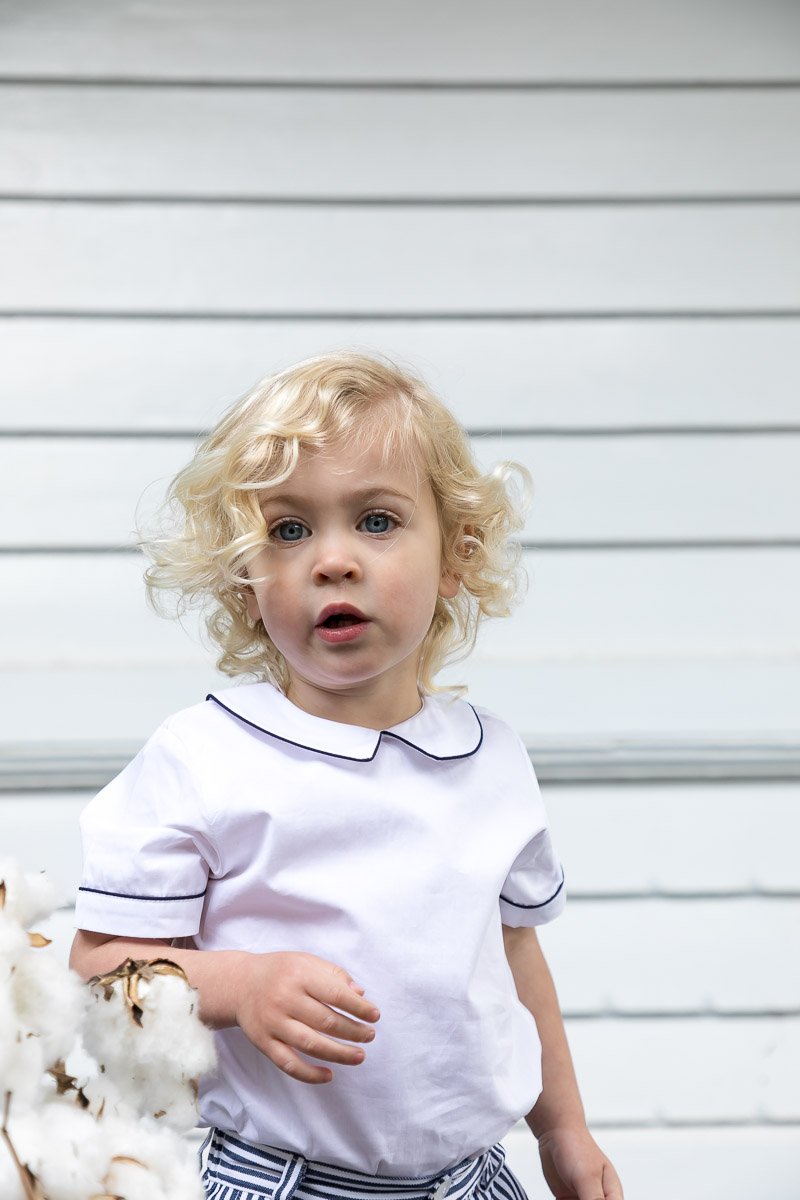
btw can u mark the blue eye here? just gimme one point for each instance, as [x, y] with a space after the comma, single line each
[290, 531]
[378, 523]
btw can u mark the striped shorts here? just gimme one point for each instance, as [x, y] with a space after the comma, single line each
[240, 1170]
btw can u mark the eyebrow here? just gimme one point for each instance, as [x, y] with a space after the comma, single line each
[361, 496]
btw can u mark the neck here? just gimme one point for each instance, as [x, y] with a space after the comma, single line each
[371, 708]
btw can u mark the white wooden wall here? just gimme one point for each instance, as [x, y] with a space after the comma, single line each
[581, 222]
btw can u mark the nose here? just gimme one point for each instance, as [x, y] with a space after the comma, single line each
[336, 559]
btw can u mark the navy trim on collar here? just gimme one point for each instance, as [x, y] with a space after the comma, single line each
[379, 735]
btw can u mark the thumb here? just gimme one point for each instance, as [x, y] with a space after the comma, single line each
[607, 1187]
[612, 1188]
[589, 1185]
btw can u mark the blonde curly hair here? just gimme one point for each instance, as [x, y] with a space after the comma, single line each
[212, 525]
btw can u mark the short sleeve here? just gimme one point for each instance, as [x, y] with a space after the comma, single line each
[147, 850]
[533, 892]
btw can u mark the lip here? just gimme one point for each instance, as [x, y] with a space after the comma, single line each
[347, 610]
[343, 633]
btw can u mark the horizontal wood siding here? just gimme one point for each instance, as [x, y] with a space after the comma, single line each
[520, 40]
[126, 142]
[643, 489]
[238, 259]
[681, 1161]
[147, 375]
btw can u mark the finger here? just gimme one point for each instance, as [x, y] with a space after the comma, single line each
[588, 1183]
[298, 1036]
[334, 990]
[611, 1184]
[591, 1190]
[288, 1061]
[326, 1020]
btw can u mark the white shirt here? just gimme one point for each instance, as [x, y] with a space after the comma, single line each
[246, 823]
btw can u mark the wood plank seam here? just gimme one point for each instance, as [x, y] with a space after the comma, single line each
[699, 84]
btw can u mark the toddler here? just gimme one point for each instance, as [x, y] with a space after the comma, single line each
[348, 863]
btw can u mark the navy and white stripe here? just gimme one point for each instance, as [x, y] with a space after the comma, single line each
[236, 1169]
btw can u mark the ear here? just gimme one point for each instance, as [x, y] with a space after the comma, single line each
[450, 580]
[253, 611]
[449, 583]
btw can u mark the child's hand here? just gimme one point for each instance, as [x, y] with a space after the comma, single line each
[576, 1168]
[286, 1003]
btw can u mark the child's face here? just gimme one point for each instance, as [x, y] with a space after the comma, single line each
[347, 584]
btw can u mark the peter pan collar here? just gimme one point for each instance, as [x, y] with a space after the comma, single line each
[443, 728]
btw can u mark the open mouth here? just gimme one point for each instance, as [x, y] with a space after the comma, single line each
[340, 620]
[341, 623]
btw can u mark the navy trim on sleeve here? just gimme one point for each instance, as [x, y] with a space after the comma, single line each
[543, 902]
[130, 896]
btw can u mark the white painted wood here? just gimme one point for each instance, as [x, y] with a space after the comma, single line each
[668, 697]
[40, 830]
[585, 489]
[100, 702]
[657, 487]
[618, 844]
[688, 1070]
[399, 259]
[666, 956]
[523, 40]
[623, 603]
[692, 838]
[180, 374]
[102, 141]
[737, 1163]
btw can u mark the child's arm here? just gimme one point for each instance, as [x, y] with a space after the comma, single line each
[283, 1002]
[573, 1164]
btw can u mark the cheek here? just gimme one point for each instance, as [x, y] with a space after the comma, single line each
[274, 604]
[413, 591]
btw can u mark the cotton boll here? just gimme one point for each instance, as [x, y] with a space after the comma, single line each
[66, 1149]
[110, 1035]
[20, 1053]
[104, 1097]
[14, 943]
[134, 1181]
[165, 1168]
[172, 1033]
[150, 1039]
[74, 1156]
[28, 898]
[50, 1002]
[10, 1183]
[109, 1029]
[21, 1069]
[153, 1063]
[108, 1102]
[40, 1007]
